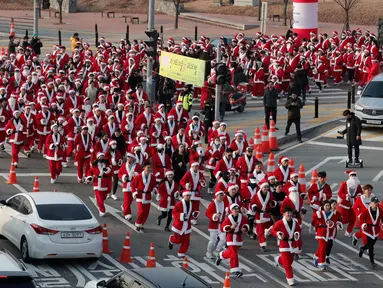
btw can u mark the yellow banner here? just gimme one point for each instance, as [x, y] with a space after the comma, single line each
[182, 68]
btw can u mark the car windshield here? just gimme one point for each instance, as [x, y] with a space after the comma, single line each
[373, 90]
[11, 282]
[63, 212]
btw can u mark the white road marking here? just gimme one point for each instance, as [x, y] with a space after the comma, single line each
[116, 214]
[143, 261]
[77, 274]
[85, 272]
[116, 263]
[8, 150]
[341, 145]
[320, 164]
[21, 189]
[377, 177]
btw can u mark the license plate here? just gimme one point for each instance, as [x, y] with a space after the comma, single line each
[374, 122]
[72, 234]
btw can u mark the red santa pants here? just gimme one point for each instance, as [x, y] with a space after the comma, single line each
[286, 260]
[55, 168]
[128, 199]
[2, 137]
[258, 89]
[364, 79]
[15, 152]
[357, 75]
[41, 143]
[260, 231]
[143, 213]
[183, 239]
[337, 77]
[348, 216]
[81, 164]
[232, 253]
[29, 143]
[321, 252]
[100, 198]
[70, 148]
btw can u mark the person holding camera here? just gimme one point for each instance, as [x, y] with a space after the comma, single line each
[353, 131]
[294, 104]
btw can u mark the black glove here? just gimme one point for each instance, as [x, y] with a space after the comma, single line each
[105, 169]
[303, 196]
[255, 208]
[295, 213]
[185, 217]
[304, 210]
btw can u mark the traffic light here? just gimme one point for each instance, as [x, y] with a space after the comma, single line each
[46, 4]
[151, 51]
[221, 72]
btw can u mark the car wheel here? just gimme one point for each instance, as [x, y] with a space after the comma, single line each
[24, 249]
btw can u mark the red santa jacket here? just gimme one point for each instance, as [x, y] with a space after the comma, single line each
[156, 133]
[246, 166]
[168, 193]
[288, 237]
[297, 205]
[213, 154]
[262, 206]
[82, 146]
[216, 214]
[144, 121]
[43, 123]
[171, 128]
[195, 132]
[180, 116]
[361, 204]
[115, 159]
[178, 139]
[160, 164]
[143, 186]
[109, 128]
[101, 174]
[325, 224]
[346, 197]
[182, 215]
[317, 194]
[222, 166]
[282, 175]
[234, 236]
[371, 226]
[193, 182]
[15, 129]
[228, 200]
[72, 128]
[30, 124]
[127, 173]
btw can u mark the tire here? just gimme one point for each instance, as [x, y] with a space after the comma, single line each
[361, 164]
[240, 109]
[346, 164]
[24, 249]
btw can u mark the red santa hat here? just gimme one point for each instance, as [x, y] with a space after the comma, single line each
[270, 176]
[179, 102]
[186, 193]
[283, 158]
[44, 106]
[130, 155]
[223, 124]
[195, 117]
[194, 164]
[234, 206]
[160, 106]
[169, 172]
[215, 122]
[335, 33]
[112, 142]
[263, 183]
[99, 154]
[143, 138]
[232, 186]
[157, 119]
[168, 137]
[16, 112]
[74, 110]
[351, 172]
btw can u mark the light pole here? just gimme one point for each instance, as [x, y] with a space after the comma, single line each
[149, 70]
[36, 9]
[217, 87]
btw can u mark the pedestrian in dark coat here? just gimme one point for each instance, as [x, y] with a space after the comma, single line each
[353, 131]
[301, 81]
[180, 159]
[294, 104]
[270, 101]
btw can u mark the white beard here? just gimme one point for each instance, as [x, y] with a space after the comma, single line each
[35, 79]
[294, 197]
[200, 151]
[17, 77]
[87, 108]
[12, 102]
[25, 73]
[352, 184]
[91, 129]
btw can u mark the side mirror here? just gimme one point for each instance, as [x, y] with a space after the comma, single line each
[3, 202]
[101, 284]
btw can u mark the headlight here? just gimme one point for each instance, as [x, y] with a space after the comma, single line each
[358, 108]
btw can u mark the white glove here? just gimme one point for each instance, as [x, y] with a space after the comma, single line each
[180, 164]
[188, 186]
[158, 197]
[114, 163]
[91, 150]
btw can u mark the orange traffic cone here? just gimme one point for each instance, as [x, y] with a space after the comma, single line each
[271, 163]
[291, 165]
[105, 241]
[2, 51]
[314, 177]
[257, 138]
[302, 179]
[12, 31]
[12, 175]
[185, 264]
[226, 283]
[258, 153]
[265, 140]
[273, 140]
[125, 254]
[151, 263]
[7, 52]
[36, 185]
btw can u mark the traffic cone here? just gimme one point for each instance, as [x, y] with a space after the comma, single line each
[314, 177]
[257, 138]
[12, 175]
[151, 257]
[302, 179]
[36, 185]
[125, 254]
[2, 51]
[12, 31]
[271, 163]
[273, 140]
[291, 165]
[265, 140]
[7, 52]
[258, 153]
[105, 241]
[226, 283]
[185, 264]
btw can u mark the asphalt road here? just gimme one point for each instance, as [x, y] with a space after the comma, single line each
[319, 151]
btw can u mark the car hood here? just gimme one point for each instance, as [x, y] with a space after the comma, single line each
[370, 102]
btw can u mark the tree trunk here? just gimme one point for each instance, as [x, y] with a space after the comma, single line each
[347, 24]
[177, 14]
[259, 10]
[61, 11]
[285, 13]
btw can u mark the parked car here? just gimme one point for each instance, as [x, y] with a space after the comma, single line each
[369, 107]
[13, 273]
[161, 277]
[50, 225]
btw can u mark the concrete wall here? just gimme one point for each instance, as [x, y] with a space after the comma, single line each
[252, 3]
[69, 6]
[167, 7]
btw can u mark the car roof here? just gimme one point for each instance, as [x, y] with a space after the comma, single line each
[8, 263]
[171, 277]
[41, 198]
[378, 78]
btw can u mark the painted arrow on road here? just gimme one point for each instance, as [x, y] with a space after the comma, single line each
[320, 164]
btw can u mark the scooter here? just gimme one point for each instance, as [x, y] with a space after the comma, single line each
[351, 164]
[237, 102]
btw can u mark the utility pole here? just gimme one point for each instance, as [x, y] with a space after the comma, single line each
[217, 87]
[36, 13]
[149, 70]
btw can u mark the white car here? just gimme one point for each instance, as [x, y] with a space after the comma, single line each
[50, 225]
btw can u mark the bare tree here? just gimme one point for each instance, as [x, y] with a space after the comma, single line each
[347, 5]
[177, 6]
[286, 2]
[60, 2]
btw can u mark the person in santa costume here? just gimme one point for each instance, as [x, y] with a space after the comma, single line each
[221, 131]
[114, 157]
[319, 191]
[262, 203]
[279, 196]
[232, 196]
[224, 164]
[14, 130]
[29, 131]
[347, 193]
[4, 117]
[371, 222]
[362, 204]
[246, 165]
[282, 173]
[72, 128]
[293, 182]
[55, 152]
[181, 138]
[197, 154]
[239, 147]
[181, 116]
[216, 214]
[194, 181]
[167, 195]
[143, 185]
[183, 214]
[126, 174]
[110, 127]
[44, 120]
[171, 126]
[101, 173]
[145, 120]
[288, 232]
[83, 148]
[334, 230]
[156, 133]
[213, 154]
[234, 225]
[160, 162]
[195, 130]
[324, 220]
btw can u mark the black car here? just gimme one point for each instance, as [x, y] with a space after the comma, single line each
[161, 277]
